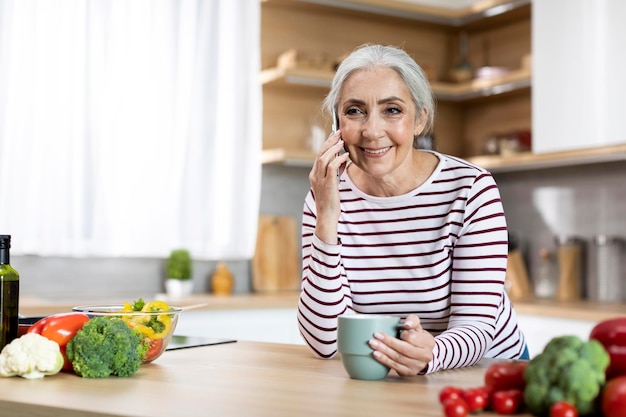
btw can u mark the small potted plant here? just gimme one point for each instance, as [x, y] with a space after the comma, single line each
[179, 273]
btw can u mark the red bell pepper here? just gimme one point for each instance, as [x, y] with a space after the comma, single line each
[612, 334]
[60, 328]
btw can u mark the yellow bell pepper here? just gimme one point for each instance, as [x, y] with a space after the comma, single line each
[156, 306]
[151, 326]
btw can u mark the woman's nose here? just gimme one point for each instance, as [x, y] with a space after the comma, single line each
[373, 127]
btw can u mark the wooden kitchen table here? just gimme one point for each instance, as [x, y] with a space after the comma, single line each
[242, 379]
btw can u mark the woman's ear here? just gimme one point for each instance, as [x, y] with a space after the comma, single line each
[420, 122]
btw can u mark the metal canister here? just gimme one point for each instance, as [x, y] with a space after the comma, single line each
[606, 268]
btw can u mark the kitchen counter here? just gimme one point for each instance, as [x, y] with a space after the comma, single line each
[575, 310]
[235, 379]
[36, 306]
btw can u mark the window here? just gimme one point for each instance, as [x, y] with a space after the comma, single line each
[130, 127]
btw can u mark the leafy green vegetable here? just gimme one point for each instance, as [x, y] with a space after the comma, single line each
[106, 346]
[568, 369]
[138, 304]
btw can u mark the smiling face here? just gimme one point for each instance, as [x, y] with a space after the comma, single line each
[378, 122]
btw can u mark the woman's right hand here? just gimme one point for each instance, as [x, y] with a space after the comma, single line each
[325, 185]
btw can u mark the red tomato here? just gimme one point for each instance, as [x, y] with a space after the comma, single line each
[475, 398]
[565, 409]
[502, 376]
[449, 392]
[154, 350]
[487, 393]
[507, 402]
[60, 328]
[455, 407]
[614, 397]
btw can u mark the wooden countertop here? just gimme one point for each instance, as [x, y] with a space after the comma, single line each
[249, 378]
[36, 306]
[578, 310]
[236, 379]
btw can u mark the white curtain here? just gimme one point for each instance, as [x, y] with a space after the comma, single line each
[130, 127]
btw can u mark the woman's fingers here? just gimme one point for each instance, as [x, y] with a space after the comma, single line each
[328, 160]
[407, 355]
[331, 160]
[403, 365]
[412, 322]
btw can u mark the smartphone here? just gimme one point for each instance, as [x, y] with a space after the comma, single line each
[335, 126]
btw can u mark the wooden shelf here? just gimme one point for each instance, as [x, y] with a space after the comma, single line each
[519, 162]
[530, 161]
[513, 81]
[291, 157]
[447, 16]
[297, 76]
[477, 100]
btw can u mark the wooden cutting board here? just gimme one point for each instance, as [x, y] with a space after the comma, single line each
[276, 261]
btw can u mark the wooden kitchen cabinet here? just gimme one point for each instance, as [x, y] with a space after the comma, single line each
[467, 113]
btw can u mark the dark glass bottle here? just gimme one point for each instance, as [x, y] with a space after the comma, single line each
[9, 294]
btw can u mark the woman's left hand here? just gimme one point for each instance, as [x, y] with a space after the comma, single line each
[409, 354]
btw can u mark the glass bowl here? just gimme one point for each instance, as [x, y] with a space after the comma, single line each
[156, 326]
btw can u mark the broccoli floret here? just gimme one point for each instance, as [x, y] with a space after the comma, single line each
[594, 352]
[580, 385]
[106, 346]
[536, 394]
[555, 394]
[558, 345]
[539, 371]
[569, 369]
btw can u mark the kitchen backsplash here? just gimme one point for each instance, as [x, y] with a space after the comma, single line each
[582, 201]
[98, 278]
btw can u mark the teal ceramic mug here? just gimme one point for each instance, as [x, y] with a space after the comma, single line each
[353, 335]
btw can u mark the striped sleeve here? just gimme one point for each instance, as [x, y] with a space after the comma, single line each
[324, 293]
[478, 272]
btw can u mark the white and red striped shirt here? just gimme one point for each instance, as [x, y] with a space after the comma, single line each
[439, 251]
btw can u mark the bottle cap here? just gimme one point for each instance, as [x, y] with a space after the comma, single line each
[5, 241]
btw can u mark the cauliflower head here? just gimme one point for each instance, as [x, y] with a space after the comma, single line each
[31, 356]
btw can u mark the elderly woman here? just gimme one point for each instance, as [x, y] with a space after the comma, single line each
[402, 231]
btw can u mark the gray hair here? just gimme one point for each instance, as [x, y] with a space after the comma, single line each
[372, 56]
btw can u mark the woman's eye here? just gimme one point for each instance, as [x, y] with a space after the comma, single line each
[394, 110]
[353, 111]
